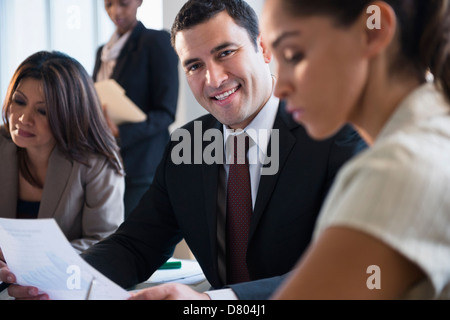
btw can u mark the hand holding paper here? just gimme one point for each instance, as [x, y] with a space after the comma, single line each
[120, 108]
[40, 256]
[111, 124]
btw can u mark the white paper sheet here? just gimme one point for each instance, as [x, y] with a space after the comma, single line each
[39, 255]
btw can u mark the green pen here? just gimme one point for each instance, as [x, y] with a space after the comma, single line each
[171, 265]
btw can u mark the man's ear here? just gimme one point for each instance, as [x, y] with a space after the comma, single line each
[267, 54]
[380, 27]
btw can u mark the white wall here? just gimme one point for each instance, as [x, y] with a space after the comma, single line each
[75, 27]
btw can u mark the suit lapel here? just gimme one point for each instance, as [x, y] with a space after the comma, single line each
[126, 51]
[9, 181]
[268, 182]
[210, 179]
[58, 174]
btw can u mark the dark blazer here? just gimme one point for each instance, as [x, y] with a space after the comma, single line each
[147, 68]
[182, 202]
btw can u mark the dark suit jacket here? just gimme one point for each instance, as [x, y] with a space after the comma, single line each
[147, 68]
[182, 201]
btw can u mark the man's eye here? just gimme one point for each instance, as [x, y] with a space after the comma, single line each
[193, 67]
[226, 53]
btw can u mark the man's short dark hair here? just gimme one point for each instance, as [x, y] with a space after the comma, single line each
[195, 12]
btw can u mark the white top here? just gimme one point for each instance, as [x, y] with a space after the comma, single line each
[399, 190]
[110, 53]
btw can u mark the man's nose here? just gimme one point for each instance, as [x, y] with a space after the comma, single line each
[216, 75]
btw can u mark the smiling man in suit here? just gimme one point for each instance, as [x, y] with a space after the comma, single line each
[227, 67]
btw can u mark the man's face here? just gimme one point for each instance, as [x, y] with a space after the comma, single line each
[228, 76]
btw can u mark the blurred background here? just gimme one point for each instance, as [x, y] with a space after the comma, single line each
[78, 28]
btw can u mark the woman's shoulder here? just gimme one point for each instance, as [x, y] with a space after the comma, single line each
[160, 35]
[140, 27]
[417, 146]
[98, 165]
[3, 131]
[5, 138]
[87, 165]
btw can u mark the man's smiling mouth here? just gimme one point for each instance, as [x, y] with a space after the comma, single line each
[225, 95]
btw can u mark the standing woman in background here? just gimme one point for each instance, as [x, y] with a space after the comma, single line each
[58, 157]
[144, 63]
[384, 230]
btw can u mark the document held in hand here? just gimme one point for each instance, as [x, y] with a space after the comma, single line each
[120, 108]
[39, 255]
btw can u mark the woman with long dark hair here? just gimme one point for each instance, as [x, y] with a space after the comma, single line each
[384, 66]
[58, 157]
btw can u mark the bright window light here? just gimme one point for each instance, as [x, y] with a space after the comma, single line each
[151, 14]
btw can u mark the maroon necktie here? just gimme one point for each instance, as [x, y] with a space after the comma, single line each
[239, 212]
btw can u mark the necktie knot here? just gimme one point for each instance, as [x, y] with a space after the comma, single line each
[240, 147]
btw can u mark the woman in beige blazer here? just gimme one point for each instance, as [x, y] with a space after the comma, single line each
[58, 157]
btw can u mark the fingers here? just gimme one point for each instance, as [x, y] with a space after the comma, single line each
[112, 126]
[6, 275]
[156, 293]
[171, 291]
[20, 292]
[26, 293]
[16, 291]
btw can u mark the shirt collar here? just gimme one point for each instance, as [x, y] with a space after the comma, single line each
[259, 129]
[112, 49]
[421, 104]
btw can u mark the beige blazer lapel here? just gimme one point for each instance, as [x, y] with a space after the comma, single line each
[9, 178]
[58, 175]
